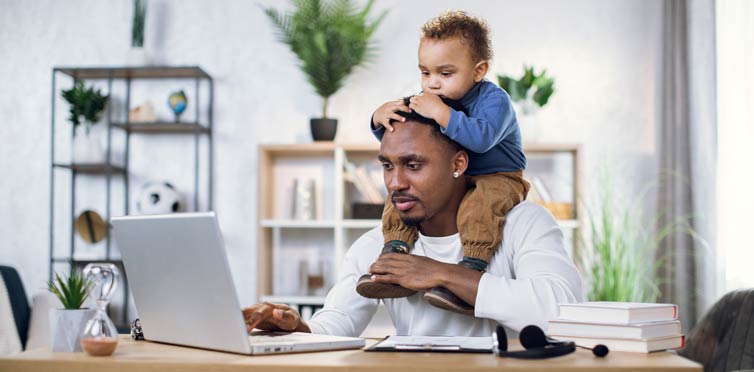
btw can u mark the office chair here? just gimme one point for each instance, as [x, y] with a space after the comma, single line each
[13, 297]
[724, 339]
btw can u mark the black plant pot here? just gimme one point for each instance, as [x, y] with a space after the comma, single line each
[324, 129]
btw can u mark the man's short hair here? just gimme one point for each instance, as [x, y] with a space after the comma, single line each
[457, 23]
[414, 116]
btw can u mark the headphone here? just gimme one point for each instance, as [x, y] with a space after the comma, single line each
[537, 345]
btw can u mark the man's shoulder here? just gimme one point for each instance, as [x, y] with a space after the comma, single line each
[529, 214]
[370, 242]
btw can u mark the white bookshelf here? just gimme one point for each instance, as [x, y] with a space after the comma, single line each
[285, 241]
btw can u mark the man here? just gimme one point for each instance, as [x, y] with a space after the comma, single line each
[424, 173]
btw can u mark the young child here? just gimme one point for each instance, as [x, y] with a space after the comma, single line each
[454, 55]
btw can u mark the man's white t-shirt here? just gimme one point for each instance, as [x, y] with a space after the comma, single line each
[529, 275]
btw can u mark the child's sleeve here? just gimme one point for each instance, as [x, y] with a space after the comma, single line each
[494, 119]
[379, 132]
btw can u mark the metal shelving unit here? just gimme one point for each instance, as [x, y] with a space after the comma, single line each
[108, 169]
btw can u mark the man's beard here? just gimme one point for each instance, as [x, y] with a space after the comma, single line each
[413, 221]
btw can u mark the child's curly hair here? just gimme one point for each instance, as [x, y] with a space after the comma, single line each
[457, 23]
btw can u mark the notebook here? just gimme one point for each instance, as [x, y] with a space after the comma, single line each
[184, 293]
[618, 312]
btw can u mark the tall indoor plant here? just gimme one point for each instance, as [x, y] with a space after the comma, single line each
[86, 106]
[67, 324]
[329, 38]
[619, 250]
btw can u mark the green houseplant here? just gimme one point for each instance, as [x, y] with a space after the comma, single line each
[67, 324]
[86, 106]
[619, 249]
[330, 39]
[531, 89]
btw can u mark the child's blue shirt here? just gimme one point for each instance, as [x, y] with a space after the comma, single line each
[490, 130]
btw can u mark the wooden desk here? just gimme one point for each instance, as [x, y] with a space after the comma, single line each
[148, 356]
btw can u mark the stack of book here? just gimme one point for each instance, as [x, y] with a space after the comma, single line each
[621, 326]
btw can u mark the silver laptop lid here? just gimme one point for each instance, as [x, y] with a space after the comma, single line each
[181, 282]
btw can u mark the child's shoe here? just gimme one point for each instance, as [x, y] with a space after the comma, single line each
[370, 289]
[446, 300]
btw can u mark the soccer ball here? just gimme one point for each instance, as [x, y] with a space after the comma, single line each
[159, 198]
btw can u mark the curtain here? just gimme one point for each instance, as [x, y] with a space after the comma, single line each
[687, 151]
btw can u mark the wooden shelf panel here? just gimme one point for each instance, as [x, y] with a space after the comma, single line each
[163, 128]
[549, 148]
[316, 148]
[76, 261]
[299, 224]
[361, 223]
[146, 72]
[92, 168]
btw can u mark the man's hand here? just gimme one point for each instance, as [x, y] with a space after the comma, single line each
[413, 272]
[431, 106]
[273, 317]
[387, 112]
[422, 273]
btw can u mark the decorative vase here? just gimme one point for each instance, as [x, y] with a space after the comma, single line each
[528, 120]
[137, 56]
[67, 328]
[323, 129]
[86, 147]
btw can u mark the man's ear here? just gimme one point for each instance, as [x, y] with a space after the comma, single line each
[480, 70]
[460, 162]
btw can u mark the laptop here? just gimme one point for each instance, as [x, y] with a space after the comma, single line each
[183, 290]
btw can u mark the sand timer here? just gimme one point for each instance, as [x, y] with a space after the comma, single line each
[100, 335]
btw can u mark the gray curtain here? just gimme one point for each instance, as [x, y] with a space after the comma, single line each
[687, 151]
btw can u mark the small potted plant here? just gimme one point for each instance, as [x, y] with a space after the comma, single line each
[87, 105]
[530, 92]
[67, 324]
[329, 38]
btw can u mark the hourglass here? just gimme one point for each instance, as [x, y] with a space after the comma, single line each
[100, 335]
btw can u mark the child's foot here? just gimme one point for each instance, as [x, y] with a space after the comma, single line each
[447, 300]
[370, 289]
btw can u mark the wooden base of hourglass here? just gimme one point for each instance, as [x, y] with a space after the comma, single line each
[99, 346]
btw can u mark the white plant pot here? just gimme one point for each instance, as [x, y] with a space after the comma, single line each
[67, 327]
[86, 147]
[137, 56]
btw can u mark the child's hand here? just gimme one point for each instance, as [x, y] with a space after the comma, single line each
[387, 112]
[431, 106]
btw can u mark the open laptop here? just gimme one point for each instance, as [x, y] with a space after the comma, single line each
[182, 286]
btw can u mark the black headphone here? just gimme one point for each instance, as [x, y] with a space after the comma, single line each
[537, 345]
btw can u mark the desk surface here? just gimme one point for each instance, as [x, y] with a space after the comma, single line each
[148, 356]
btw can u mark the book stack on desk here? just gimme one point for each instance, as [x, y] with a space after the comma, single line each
[621, 326]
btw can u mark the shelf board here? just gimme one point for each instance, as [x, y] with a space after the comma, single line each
[361, 224]
[549, 148]
[294, 300]
[145, 72]
[66, 260]
[162, 127]
[317, 147]
[299, 224]
[92, 168]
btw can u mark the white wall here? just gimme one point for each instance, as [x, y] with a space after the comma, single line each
[605, 56]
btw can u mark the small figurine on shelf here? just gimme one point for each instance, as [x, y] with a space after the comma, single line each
[177, 102]
[142, 114]
[136, 332]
